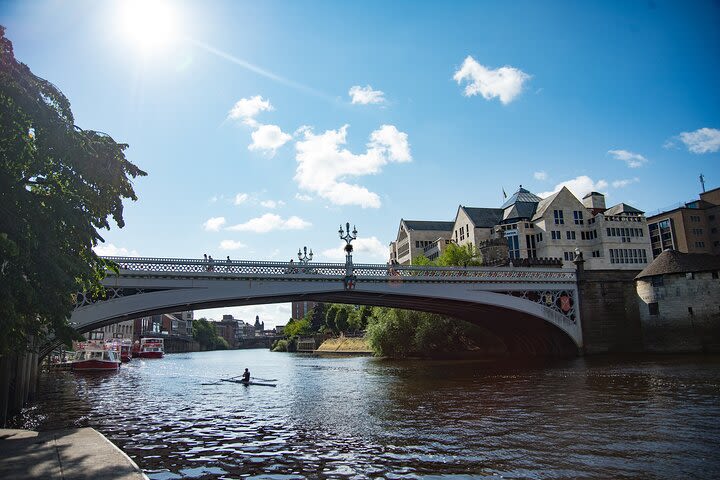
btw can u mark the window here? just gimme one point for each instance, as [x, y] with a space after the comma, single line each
[569, 256]
[690, 311]
[530, 242]
[653, 308]
[513, 246]
[538, 237]
[578, 217]
[558, 217]
[700, 244]
[570, 234]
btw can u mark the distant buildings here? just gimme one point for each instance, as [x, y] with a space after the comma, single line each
[690, 228]
[554, 227]
[300, 309]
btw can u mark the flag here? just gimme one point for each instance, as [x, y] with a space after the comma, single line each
[504, 194]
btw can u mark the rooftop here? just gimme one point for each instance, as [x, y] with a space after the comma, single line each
[522, 195]
[671, 261]
[428, 225]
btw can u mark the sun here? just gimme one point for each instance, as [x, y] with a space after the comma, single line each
[151, 25]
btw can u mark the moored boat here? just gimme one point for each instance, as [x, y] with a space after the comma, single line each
[151, 348]
[94, 358]
[123, 348]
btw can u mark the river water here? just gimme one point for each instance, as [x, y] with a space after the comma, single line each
[360, 417]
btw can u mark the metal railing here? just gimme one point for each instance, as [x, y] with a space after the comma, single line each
[243, 268]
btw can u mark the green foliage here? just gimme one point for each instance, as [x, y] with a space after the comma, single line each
[58, 186]
[206, 335]
[401, 333]
[460, 256]
[422, 261]
[280, 345]
[318, 317]
[297, 328]
[341, 319]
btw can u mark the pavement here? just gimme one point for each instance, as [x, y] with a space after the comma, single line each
[71, 454]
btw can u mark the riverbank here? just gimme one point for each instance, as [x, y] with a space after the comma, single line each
[80, 453]
[345, 345]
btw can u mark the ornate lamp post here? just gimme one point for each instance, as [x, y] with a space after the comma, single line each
[303, 255]
[348, 237]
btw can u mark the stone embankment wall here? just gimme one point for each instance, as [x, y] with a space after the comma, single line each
[680, 312]
[18, 382]
[345, 345]
[609, 311]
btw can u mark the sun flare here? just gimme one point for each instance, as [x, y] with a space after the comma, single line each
[149, 24]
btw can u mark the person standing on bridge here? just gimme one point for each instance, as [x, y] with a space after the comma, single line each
[246, 376]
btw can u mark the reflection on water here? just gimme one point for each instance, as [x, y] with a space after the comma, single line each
[370, 418]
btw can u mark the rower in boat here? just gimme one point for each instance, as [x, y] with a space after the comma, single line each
[246, 376]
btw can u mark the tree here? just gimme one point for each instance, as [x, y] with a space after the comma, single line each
[205, 334]
[58, 186]
[318, 316]
[460, 256]
[330, 313]
[341, 319]
[297, 328]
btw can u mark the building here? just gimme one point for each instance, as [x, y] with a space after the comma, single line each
[118, 330]
[558, 226]
[259, 326]
[689, 228]
[414, 235]
[679, 298]
[300, 309]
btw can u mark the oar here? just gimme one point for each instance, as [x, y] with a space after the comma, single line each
[220, 381]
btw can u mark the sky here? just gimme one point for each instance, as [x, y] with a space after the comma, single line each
[264, 126]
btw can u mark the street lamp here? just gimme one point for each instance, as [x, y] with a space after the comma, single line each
[348, 237]
[304, 257]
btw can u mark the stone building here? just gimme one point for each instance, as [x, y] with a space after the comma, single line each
[679, 297]
[414, 235]
[690, 228]
[533, 228]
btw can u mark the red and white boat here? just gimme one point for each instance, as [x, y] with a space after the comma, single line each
[123, 348]
[95, 358]
[151, 348]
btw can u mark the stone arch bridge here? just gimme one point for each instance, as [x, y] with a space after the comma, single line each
[533, 310]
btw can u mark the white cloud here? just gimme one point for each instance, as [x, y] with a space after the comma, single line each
[268, 138]
[703, 140]
[272, 203]
[213, 224]
[505, 83]
[241, 198]
[323, 164]
[302, 197]
[110, 250]
[231, 245]
[633, 160]
[365, 95]
[624, 183]
[541, 175]
[246, 109]
[370, 248]
[270, 222]
[579, 186]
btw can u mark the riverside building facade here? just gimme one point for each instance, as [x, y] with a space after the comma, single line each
[557, 226]
[690, 228]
